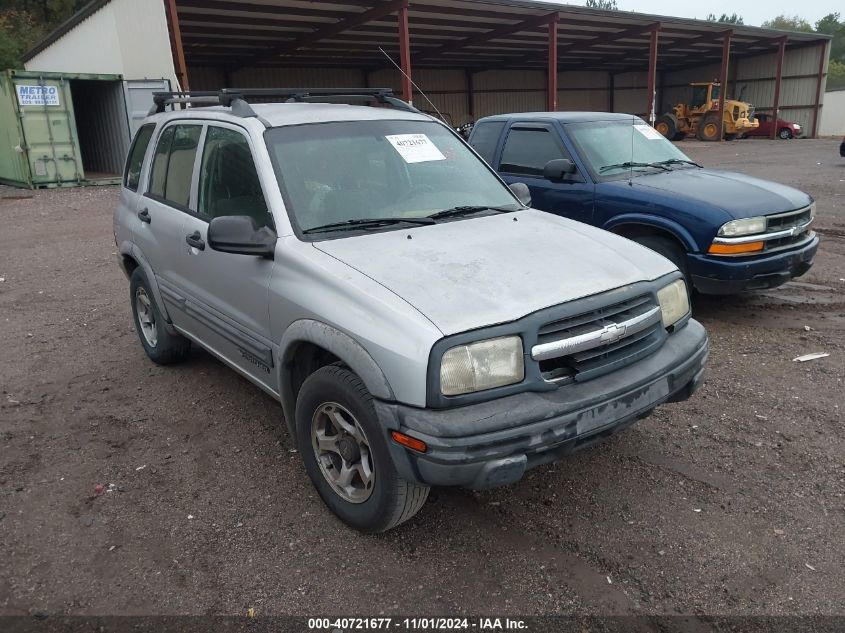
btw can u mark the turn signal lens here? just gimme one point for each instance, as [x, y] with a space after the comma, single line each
[409, 442]
[735, 249]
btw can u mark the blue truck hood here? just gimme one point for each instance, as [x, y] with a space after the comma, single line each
[738, 195]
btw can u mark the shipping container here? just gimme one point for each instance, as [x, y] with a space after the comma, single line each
[62, 129]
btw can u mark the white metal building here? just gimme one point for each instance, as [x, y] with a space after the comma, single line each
[471, 57]
[833, 116]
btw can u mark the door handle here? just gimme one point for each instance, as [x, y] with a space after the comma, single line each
[195, 240]
[144, 216]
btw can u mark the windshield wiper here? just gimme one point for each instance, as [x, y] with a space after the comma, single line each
[365, 223]
[675, 161]
[456, 212]
[629, 165]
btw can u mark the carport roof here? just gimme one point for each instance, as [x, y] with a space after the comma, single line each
[475, 34]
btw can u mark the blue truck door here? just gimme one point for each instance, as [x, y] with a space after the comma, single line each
[527, 148]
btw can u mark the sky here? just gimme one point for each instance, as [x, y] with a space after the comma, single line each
[753, 13]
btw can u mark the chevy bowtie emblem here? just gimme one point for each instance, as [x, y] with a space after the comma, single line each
[612, 332]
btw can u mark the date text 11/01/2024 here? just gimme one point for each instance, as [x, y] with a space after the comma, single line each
[343, 625]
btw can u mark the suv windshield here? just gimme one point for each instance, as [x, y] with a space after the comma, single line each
[612, 149]
[346, 172]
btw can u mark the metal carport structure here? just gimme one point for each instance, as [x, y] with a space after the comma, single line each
[477, 57]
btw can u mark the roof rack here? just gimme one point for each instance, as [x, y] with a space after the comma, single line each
[237, 98]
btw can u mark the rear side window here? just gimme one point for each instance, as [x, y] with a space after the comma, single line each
[229, 182]
[527, 151]
[132, 176]
[173, 164]
[485, 137]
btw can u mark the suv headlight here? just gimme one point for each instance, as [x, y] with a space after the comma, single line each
[674, 302]
[746, 226]
[483, 365]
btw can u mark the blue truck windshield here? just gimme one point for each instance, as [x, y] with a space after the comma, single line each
[611, 149]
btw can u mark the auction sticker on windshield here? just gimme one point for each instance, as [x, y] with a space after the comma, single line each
[649, 132]
[415, 148]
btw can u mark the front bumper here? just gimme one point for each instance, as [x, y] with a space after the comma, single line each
[716, 275]
[493, 443]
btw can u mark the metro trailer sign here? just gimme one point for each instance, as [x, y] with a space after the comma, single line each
[38, 95]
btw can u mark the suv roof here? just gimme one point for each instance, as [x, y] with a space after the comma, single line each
[281, 114]
[302, 105]
[563, 117]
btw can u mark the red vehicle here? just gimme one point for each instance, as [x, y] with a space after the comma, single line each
[784, 129]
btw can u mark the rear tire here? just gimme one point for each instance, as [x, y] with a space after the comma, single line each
[667, 247]
[162, 347]
[337, 432]
[785, 134]
[708, 129]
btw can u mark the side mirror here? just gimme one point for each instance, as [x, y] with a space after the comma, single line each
[238, 234]
[558, 169]
[522, 192]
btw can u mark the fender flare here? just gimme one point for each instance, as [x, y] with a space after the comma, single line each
[338, 343]
[675, 229]
[130, 249]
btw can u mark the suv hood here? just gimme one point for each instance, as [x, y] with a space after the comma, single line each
[740, 196]
[481, 271]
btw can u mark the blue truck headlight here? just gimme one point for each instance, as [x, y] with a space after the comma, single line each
[746, 226]
[495, 362]
[674, 302]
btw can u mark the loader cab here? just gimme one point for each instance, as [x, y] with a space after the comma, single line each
[704, 94]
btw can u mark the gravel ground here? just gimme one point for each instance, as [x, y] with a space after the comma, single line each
[730, 503]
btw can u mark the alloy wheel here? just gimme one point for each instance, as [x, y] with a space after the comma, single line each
[146, 316]
[342, 452]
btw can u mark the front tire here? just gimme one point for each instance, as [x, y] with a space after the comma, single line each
[670, 249]
[708, 129]
[667, 126]
[162, 347]
[344, 448]
[785, 134]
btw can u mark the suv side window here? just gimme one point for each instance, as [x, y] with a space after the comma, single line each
[527, 150]
[132, 174]
[485, 138]
[173, 164]
[229, 183]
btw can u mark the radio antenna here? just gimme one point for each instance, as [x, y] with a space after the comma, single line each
[408, 77]
[631, 163]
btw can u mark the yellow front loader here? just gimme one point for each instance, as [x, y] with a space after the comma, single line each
[701, 116]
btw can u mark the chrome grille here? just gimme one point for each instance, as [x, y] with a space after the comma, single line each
[783, 221]
[597, 342]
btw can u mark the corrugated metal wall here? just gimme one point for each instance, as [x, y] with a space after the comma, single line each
[500, 91]
[757, 76]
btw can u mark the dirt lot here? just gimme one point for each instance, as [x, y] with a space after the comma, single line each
[731, 503]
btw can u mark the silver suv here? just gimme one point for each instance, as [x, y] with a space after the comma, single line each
[418, 322]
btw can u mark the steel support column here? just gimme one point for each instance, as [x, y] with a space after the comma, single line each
[723, 81]
[470, 81]
[552, 84]
[823, 53]
[611, 92]
[405, 54]
[178, 48]
[652, 75]
[778, 78]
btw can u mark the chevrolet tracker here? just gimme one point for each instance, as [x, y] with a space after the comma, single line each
[420, 324]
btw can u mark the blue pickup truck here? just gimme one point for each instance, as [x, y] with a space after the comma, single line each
[727, 232]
